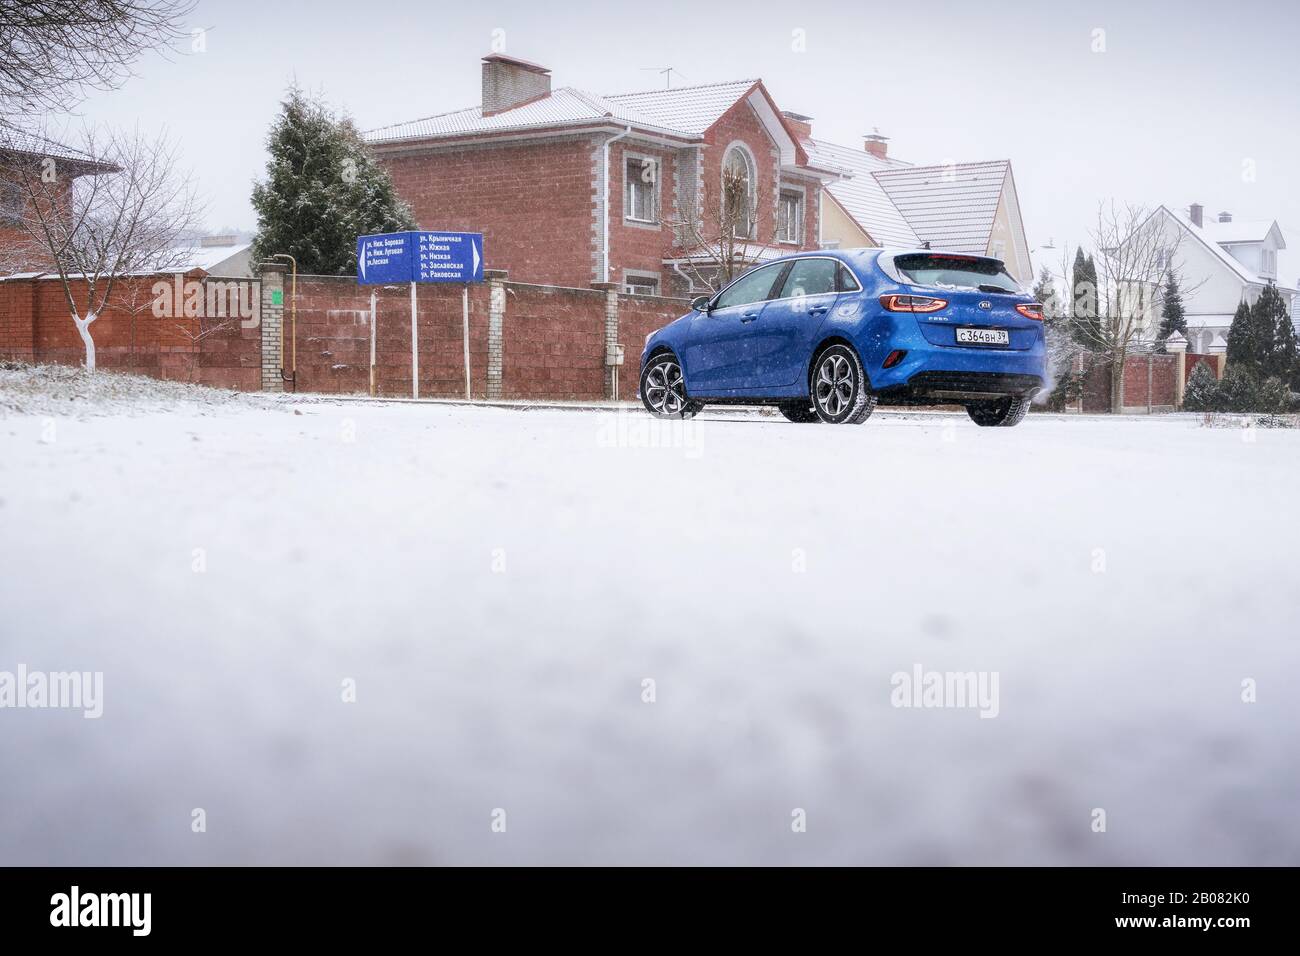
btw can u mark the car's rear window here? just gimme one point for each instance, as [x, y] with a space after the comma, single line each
[956, 272]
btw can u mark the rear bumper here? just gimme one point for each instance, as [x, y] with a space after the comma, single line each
[932, 386]
[931, 374]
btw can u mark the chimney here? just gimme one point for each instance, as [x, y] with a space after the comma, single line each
[508, 82]
[1197, 213]
[1225, 217]
[802, 125]
[876, 144]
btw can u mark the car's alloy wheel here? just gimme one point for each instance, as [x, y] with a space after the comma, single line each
[840, 392]
[663, 390]
[1001, 413]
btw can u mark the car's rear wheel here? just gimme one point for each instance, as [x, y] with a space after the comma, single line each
[800, 412]
[1000, 413]
[663, 389]
[841, 394]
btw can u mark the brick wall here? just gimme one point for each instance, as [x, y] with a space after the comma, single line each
[333, 338]
[552, 338]
[638, 316]
[35, 327]
[533, 202]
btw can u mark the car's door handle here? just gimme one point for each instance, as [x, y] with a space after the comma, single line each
[749, 317]
[819, 310]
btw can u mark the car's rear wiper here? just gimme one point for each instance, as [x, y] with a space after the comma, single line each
[997, 288]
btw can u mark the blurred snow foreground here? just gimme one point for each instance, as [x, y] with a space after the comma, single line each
[435, 634]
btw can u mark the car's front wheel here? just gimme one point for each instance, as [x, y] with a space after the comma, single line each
[840, 392]
[663, 389]
[1001, 413]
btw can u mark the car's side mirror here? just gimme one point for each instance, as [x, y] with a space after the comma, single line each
[701, 304]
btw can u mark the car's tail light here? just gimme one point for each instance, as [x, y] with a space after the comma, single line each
[893, 358]
[912, 303]
[1031, 310]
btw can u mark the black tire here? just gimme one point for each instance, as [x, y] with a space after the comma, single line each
[841, 394]
[800, 413]
[663, 389]
[1000, 413]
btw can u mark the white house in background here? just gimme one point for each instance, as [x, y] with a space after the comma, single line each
[223, 256]
[1222, 262]
[883, 201]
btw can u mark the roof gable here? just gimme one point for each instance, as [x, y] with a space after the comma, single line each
[952, 206]
[861, 196]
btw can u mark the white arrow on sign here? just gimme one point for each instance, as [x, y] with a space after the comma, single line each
[474, 245]
[365, 247]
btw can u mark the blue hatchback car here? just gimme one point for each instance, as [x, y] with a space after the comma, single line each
[825, 336]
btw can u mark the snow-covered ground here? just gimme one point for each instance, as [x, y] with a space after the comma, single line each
[498, 586]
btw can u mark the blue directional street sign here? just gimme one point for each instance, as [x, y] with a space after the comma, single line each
[420, 257]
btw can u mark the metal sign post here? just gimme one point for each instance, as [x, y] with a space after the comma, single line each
[416, 257]
[464, 307]
[373, 332]
[415, 348]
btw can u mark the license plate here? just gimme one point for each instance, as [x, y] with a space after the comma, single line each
[983, 337]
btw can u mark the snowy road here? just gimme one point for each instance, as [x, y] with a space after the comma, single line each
[499, 586]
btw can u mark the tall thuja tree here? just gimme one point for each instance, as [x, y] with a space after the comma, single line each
[1243, 341]
[323, 188]
[1084, 314]
[1173, 315]
[1272, 315]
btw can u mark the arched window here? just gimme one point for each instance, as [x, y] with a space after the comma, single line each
[738, 192]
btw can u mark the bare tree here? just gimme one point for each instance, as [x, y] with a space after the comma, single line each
[126, 218]
[716, 229]
[1136, 253]
[52, 51]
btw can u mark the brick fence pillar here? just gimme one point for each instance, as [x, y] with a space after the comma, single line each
[272, 321]
[1176, 345]
[496, 281]
[611, 335]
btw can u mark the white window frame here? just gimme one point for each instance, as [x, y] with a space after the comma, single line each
[801, 203]
[751, 167]
[628, 216]
[630, 277]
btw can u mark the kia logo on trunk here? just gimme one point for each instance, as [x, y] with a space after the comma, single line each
[986, 304]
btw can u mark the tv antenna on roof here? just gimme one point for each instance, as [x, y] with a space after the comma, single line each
[667, 72]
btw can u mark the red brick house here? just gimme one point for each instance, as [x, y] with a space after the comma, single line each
[25, 156]
[571, 188]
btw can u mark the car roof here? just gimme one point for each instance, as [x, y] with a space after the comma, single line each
[860, 255]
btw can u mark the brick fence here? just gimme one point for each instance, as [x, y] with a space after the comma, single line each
[1153, 381]
[35, 326]
[525, 341]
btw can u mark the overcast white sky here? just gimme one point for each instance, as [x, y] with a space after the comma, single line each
[1185, 96]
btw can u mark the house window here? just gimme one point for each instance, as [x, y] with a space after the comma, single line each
[1269, 264]
[789, 217]
[641, 195]
[738, 193]
[641, 285]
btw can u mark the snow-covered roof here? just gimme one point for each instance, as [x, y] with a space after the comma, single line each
[204, 257]
[690, 109]
[1240, 230]
[1201, 236]
[685, 112]
[950, 206]
[32, 144]
[861, 195]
